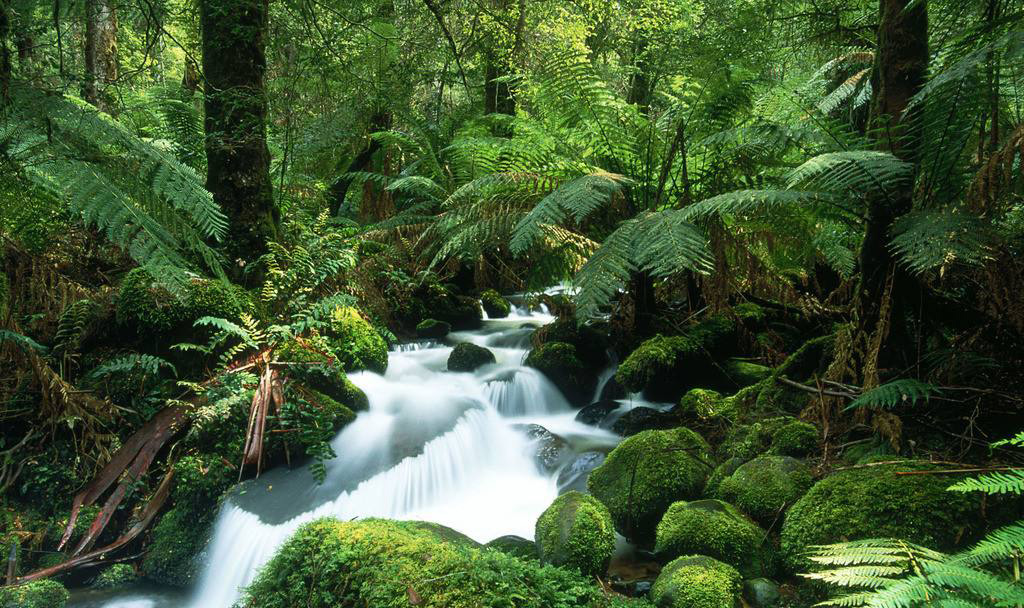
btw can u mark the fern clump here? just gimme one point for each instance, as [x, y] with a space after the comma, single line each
[697, 581]
[764, 487]
[37, 594]
[355, 342]
[560, 363]
[648, 472]
[876, 502]
[494, 305]
[385, 563]
[576, 531]
[467, 357]
[664, 367]
[716, 529]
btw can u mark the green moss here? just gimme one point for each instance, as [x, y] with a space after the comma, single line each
[381, 563]
[332, 381]
[355, 342]
[812, 357]
[591, 344]
[749, 440]
[516, 546]
[175, 542]
[117, 575]
[467, 357]
[878, 502]
[696, 581]
[433, 329]
[665, 367]
[722, 471]
[797, 438]
[745, 373]
[764, 487]
[777, 398]
[559, 362]
[5, 293]
[151, 310]
[648, 472]
[702, 404]
[576, 531]
[496, 306]
[37, 594]
[713, 528]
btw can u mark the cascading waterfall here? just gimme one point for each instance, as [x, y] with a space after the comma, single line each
[436, 446]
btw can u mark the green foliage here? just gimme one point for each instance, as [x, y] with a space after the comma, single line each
[715, 529]
[37, 594]
[894, 394]
[648, 472]
[467, 357]
[874, 502]
[696, 581]
[766, 486]
[576, 532]
[383, 563]
[152, 311]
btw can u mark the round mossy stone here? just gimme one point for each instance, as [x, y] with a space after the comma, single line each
[494, 305]
[879, 502]
[467, 357]
[713, 528]
[576, 531]
[514, 545]
[355, 342]
[696, 581]
[558, 361]
[798, 439]
[764, 487]
[37, 594]
[648, 472]
[432, 329]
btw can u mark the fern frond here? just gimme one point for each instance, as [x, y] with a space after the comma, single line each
[892, 394]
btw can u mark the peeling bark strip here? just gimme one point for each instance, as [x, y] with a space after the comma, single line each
[135, 456]
[99, 556]
[269, 392]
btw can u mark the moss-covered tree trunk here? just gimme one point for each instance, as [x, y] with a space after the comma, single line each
[238, 161]
[901, 63]
[101, 63]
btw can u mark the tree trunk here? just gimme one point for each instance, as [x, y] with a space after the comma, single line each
[238, 161]
[5, 53]
[100, 52]
[901, 63]
[639, 81]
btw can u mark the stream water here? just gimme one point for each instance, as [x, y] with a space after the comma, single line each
[450, 448]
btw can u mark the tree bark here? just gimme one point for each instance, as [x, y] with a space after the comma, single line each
[101, 64]
[238, 162]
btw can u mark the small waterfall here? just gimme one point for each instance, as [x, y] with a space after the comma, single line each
[435, 446]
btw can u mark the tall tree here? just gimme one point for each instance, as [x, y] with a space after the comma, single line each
[238, 161]
[101, 63]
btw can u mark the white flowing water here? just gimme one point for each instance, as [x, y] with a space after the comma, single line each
[434, 445]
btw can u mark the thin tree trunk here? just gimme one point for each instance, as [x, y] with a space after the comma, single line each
[238, 161]
[5, 53]
[639, 81]
[101, 64]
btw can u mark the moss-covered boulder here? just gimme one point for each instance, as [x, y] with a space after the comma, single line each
[766, 486]
[559, 362]
[796, 438]
[516, 546]
[696, 581]
[665, 367]
[494, 305]
[467, 357]
[576, 531]
[648, 472]
[878, 502]
[117, 575]
[145, 306]
[432, 329]
[745, 373]
[37, 594]
[462, 312]
[332, 381]
[355, 342]
[701, 405]
[641, 419]
[591, 343]
[329, 563]
[716, 529]
[723, 470]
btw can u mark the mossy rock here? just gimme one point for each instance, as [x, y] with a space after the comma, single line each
[147, 307]
[333, 382]
[797, 438]
[701, 404]
[174, 547]
[778, 398]
[559, 362]
[878, 502]
[697, 581]
[744, 373]
[576, 531]
[713, 528]
[432, 329]
[461, 312]
[750, 440]
[37, 594]
[591, 343]
[665, 367]
[766, 486]
[468, 357]
[516, 546]
[648, 472]
[355, 342]
[117, 575]
[329, 563]
[494, 305]
[722, 471]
